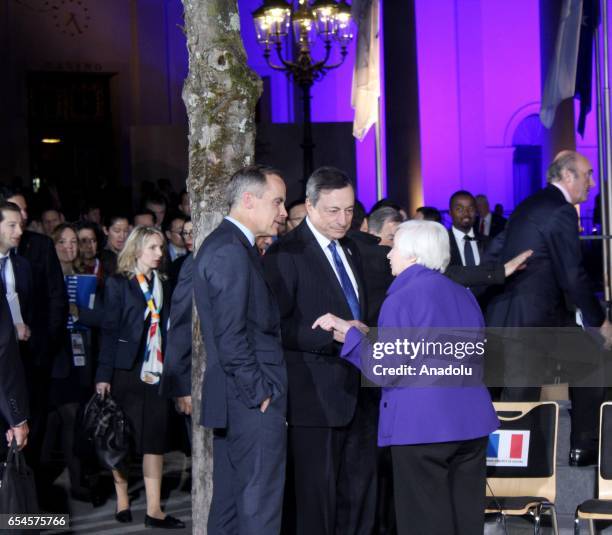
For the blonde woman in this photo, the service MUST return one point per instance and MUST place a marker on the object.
(131, 363)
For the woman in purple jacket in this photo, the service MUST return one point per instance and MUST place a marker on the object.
(437, 433)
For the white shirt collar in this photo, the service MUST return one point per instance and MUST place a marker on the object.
(323, 241)
(564, 191)
(249, 235)
(459, 234)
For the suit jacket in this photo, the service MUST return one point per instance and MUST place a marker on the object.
(376, 270)
(240, 325)
(420, 297)
(13, 392)
(322, 388)
(554, 277)
(176, 379)
(123, 325)
(49, 298)
(481, 241)
(498, 223)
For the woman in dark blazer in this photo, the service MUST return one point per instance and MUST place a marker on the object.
(131, 363)
(437, 428)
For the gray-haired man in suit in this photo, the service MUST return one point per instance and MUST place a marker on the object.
(244, 394)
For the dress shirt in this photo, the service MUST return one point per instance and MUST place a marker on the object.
(485, 225)
(175, 252)
(11, 291)
(459, 234)
(249, 235)
(324, 244)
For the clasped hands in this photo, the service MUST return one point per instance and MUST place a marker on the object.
(337, 326)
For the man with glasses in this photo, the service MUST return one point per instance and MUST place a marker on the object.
(173, 230)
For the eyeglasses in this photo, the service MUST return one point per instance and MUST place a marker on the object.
(187, 234)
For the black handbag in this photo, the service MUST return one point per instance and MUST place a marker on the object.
(103, 431)
(17, 487)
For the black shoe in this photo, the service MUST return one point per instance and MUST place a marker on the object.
(582, 457)
(124, 516)
(167, 523)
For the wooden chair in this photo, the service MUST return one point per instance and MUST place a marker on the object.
(601, 508)
(526, 490)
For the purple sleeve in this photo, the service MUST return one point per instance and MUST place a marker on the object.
(353, 346)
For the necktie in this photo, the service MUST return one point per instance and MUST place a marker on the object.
(345, 281)
(468, 254)
(3, 271)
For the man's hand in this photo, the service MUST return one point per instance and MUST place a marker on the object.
(606, 331)
(338, 326)
(183, 405)
(102, 389)
(517, 263)
(265, 404)
(20, 433)
(23, 332)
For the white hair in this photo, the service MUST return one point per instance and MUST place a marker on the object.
(427, 241)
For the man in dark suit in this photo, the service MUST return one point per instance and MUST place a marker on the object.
(13, 392)
(176, 379)
(332, 426)
(50, 308)
(244, 392)
(466, 246)
(47, 319)
(538, 296)
(487, 223)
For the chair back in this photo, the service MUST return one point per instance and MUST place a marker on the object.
(521, 456)
(605, 451)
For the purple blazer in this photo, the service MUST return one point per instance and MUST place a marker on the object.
(421, 297)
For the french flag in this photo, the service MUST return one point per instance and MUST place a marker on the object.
(508, 448)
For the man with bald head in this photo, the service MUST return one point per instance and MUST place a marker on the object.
(549, 292)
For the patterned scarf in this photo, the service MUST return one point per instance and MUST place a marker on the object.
(153, 364)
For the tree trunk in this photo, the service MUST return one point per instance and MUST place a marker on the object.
(220, 94)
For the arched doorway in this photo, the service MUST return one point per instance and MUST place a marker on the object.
(527, 157)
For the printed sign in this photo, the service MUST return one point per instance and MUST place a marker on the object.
(508, 448)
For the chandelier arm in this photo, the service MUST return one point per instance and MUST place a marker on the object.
(343, 53)
(286, 65)
(320, 65)
(274, 66)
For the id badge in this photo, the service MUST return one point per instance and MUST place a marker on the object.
(78, 349)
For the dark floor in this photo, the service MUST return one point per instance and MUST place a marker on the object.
(85, 518)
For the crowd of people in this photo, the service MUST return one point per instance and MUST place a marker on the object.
(285, 299)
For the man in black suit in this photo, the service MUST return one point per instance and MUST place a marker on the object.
(538, 296)
(48, 316)
(176, 379)
(13, 392)
(466, 246)
(332, 426)
(487, 223)
(244, 392)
